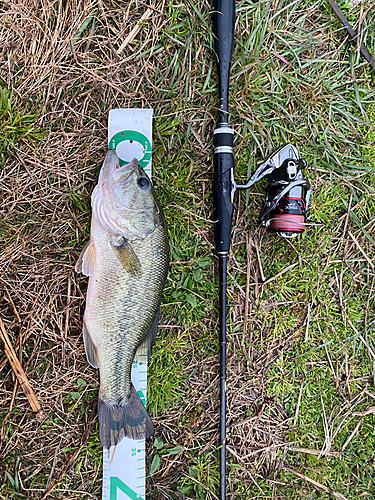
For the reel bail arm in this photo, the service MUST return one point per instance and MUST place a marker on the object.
(287, 197)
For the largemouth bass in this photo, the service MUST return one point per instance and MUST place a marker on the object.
(127, 261)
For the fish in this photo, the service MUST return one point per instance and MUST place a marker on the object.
(126, 260)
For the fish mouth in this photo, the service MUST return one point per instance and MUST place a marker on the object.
(119, 174)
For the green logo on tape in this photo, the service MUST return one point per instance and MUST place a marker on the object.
(132, 136)
(117, 484)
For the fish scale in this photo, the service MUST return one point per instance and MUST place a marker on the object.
(112, 321)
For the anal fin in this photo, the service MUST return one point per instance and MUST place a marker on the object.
(90, 348)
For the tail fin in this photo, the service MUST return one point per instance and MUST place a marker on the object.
(129, 419)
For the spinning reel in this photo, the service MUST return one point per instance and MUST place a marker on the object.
(288, 194)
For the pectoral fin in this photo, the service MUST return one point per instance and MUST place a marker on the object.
(144, 350)
(127, 256)
(90, 348)
(86, 260)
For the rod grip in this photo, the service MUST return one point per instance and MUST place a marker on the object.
(223, 29)
(223, 186)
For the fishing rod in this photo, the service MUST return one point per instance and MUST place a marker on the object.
(223, 28)
(287, 197)
(353, 35)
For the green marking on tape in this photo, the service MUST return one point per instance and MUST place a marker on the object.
(117, 484)
(132, 136)
(142, 397)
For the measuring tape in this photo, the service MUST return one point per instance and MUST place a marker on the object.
(124, 465)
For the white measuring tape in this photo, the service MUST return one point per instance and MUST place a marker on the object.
(124, 466)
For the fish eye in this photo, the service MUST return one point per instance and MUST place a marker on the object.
(143, 182)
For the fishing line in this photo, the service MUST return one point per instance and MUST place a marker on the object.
(160, 489)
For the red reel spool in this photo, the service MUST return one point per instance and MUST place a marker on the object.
(289, 216)
(288, 223)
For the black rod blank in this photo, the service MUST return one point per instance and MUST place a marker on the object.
(223, 374)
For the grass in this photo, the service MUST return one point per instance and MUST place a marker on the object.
(300, 339)
(17, 124)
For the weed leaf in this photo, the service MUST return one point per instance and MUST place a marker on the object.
(158, 443)
(155, 464)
